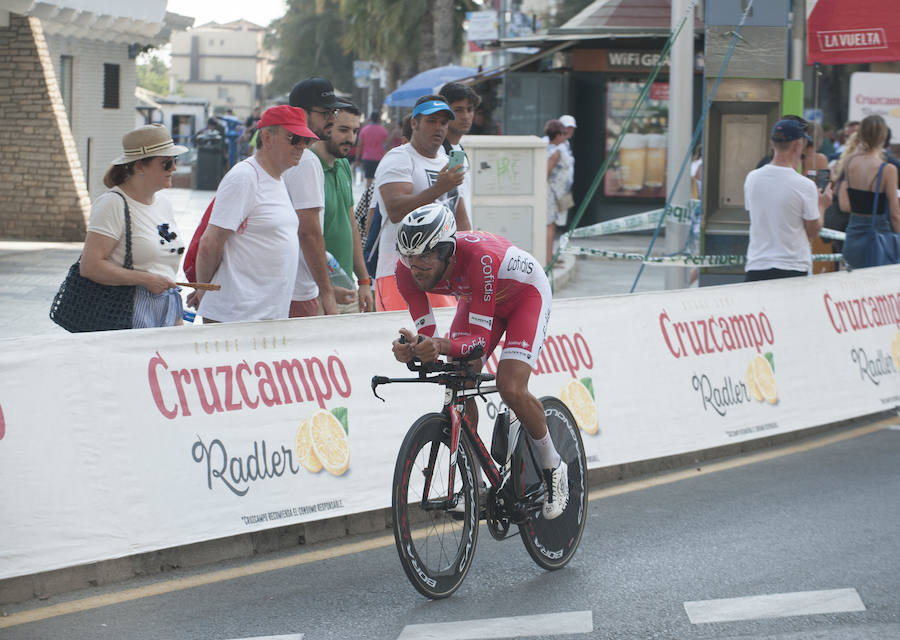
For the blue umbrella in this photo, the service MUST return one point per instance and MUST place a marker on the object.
(424, 83)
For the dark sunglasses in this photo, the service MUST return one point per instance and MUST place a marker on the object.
(168, 163)
(295, 139)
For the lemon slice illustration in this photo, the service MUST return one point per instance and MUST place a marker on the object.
(329, 442)
(895, 350)
(576, 396)
(751, 383)
(764, 378)
(304, 449)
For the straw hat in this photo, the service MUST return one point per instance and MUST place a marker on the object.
(147, 141)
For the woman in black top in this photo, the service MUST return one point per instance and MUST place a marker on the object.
(857, 191)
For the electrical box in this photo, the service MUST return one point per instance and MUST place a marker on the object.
(509, 189)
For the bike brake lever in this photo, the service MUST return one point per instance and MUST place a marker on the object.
(376, 381)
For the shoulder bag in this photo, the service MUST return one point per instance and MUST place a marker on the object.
(882, 247)
(84, 305)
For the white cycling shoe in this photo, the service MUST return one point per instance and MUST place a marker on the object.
(557, 481)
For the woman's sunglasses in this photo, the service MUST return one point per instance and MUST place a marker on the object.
(168, 164)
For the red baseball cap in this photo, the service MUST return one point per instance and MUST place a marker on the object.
(291, 118)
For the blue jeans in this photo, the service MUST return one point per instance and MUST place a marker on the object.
(854, 249)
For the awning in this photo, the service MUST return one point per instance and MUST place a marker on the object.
(852, 31)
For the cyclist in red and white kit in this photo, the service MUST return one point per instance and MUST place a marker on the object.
(501, 288)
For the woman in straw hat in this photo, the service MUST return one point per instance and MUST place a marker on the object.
(145, 167)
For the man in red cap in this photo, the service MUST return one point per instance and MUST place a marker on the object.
(250, 246)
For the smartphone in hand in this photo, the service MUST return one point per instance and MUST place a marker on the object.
(457, 158)
(823, 177)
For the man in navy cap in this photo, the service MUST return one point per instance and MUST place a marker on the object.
(409, 176)
(786, 209)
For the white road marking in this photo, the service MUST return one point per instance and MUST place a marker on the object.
(291, 636)
(545, 624)
(896, 427)
(775, 605)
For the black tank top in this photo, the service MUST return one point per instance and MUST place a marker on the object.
(861, 200)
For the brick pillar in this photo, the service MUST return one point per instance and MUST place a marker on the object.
(43, 195)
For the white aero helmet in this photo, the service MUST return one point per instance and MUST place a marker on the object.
(430, 227)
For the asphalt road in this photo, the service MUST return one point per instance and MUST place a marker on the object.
(814, 527)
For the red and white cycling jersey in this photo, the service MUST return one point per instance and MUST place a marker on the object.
(500, 288)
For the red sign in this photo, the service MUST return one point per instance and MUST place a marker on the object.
(851, 31)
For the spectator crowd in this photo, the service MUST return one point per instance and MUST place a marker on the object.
(284, 237)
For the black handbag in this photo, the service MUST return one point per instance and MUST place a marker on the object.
(882, 247)
(84, 305)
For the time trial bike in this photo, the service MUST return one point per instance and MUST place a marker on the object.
(436, 503)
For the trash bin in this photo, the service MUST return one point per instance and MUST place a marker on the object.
(210, 160)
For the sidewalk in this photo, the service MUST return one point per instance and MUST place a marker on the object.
(30, 272)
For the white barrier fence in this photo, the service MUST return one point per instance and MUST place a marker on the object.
(121, 443)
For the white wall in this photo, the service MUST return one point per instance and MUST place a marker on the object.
(104, 127)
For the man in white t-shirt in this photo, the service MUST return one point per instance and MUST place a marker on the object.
(786, 209)
(463, 101)
(408, 177)
(250, 246)
(306, 187)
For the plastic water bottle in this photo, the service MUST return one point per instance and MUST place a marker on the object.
(338, 276)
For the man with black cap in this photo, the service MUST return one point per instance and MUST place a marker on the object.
(786, 209)
(306, 187)
(408, 177)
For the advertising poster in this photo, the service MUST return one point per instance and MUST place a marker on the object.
(134, 441)
(639, 170)
(876, 94)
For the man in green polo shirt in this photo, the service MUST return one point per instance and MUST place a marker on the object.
(340, 231)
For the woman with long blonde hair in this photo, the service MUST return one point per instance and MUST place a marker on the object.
(860, 191)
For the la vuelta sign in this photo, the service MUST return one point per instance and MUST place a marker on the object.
(852, 31)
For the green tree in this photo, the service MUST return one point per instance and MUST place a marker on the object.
(308, 39)
(153, 74)
(405, 36)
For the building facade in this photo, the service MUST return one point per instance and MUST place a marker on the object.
(67, 81)
(225, 64)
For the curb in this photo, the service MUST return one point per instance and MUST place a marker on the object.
(41, 586)
(563, 271)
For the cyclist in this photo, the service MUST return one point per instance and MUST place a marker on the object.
(501, 288)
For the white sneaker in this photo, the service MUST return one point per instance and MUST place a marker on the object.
(557, 481)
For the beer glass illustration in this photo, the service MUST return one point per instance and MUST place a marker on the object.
(655, 168)
(633, 160)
